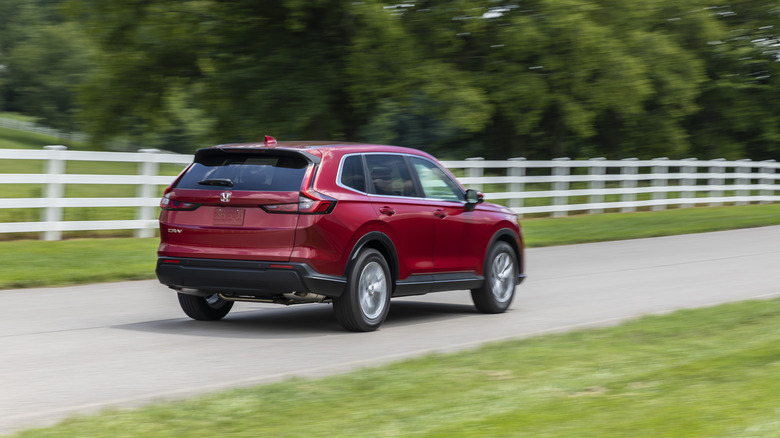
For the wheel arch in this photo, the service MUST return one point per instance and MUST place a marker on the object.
(380, 242)
(513, 239)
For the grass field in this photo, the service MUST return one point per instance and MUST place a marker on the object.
(621, 226)
(695, 373)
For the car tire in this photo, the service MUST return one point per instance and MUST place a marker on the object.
(366, 301)
(497, 291)
(210, 308)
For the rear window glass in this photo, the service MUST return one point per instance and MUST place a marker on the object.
(246, 172)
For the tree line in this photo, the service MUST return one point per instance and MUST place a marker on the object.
(496, 78)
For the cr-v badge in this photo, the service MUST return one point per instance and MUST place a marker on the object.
(225, 196)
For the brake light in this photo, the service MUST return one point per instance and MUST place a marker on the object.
(280, 208)
(311, 202)
(166, 203)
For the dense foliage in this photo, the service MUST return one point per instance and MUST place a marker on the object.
(498, 78)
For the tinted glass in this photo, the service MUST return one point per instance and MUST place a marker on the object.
(352, 174)
(435, 183)
(389, 175)
(246, 172)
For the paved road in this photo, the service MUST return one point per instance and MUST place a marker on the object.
(78, 349)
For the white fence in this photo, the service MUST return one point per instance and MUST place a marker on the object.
(54, 179)
(562, 185)
(556, 187)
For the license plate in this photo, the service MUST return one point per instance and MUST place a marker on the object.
(229, 216)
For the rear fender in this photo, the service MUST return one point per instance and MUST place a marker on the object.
(382, 243)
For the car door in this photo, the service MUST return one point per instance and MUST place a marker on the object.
(453, 223)
(406, 216)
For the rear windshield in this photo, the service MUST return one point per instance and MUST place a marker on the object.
(246, 172)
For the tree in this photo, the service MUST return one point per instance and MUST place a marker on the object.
(541, 78)
(235, 71)
(740, 114)
(43, 59)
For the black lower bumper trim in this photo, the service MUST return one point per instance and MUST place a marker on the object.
(246, 277)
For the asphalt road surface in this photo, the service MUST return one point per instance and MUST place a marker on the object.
(79, 349)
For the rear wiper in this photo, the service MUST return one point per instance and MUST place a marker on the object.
(216, 182)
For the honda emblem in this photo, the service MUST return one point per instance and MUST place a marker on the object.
(225, 196)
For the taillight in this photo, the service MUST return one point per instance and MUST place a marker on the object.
(311, 202)
(280, 208)
(166, 203)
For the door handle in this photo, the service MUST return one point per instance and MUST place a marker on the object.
(387, 210)
(440, 213)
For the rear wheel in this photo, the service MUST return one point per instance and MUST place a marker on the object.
(364, 304)
(497, 291)
(210, 308)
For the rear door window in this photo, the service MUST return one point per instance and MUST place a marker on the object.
(389, 175)
(267, 173)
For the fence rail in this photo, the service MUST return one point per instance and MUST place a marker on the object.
(54, 179)
(557, 187)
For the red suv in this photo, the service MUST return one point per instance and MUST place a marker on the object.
(348, 224)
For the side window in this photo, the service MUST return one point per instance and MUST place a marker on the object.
(435, 183)
(389, 175)
(352, 174)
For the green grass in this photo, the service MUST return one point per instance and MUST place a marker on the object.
(695, 373)
(18, 116)
(17, 139)
(33, 263)
(622, 226)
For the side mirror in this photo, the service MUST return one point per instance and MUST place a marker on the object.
(473, 198)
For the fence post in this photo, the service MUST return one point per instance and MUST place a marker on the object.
(560, 171)
(148, 168)
(687, 181)
(766, 180)
(743, 181)
(596, 171)
(55, 166)
(717, 178)
(660, 167)
(475, 172)
(517, 171)
(628, 183)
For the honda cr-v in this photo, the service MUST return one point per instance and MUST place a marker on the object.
(347, 224)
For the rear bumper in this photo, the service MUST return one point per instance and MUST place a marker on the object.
(246, 277)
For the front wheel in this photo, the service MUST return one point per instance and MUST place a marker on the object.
(364, 304)
(496, 293)
(209, 308)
